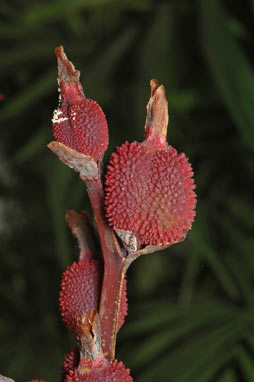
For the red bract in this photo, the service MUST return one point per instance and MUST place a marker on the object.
(79, 122)
(100, 371)
(149, 187)
(80, 291)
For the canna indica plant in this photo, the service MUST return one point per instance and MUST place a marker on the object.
(147, 203)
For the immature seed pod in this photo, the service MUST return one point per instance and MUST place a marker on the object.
(79, 122)
(149, 186)
(83, 127)
(80, 291)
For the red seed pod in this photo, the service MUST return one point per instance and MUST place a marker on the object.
(79, 122)
(80, 291)
(149, 187)
(82, 127)
(100, 371)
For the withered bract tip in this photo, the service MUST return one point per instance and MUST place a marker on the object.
(66, 69)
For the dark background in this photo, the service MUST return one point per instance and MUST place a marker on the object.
(191, 307)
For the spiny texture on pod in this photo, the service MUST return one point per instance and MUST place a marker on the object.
(150, 193)
(94, 371)
(79, 122)
(82, 127)
(80, 291)
(71, 361)
(149, 187)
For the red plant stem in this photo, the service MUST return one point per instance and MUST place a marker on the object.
(113, 270)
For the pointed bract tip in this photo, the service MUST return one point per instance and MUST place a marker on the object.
(66, 69)
(157, 115)
(154, 85)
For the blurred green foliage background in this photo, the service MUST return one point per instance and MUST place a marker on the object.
(191, 308)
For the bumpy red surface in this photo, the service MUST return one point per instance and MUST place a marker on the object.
(71, 361)
(83, 127)
(80, 291)
(150, 193)
(111, 372)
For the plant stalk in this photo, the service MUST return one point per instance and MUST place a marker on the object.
(114, 269)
